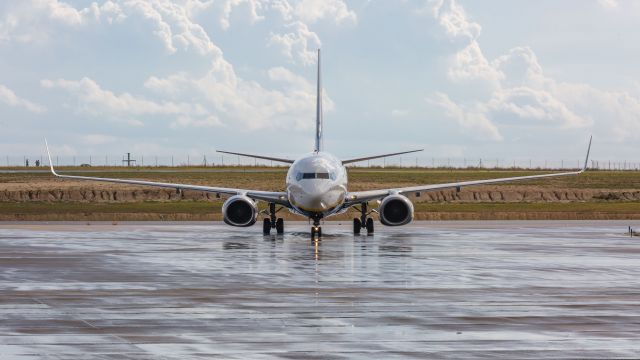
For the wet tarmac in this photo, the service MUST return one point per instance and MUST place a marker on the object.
(433, 290)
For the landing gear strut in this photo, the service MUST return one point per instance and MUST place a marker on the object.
(272, 221)
(316, 230)
(364, 221)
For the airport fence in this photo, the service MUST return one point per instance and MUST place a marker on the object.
(239, 161)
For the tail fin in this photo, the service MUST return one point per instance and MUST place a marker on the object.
(318, 146)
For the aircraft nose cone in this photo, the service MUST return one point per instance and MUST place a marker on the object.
(316, 198)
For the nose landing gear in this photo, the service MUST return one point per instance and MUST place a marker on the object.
(364, 221)
(316, 230)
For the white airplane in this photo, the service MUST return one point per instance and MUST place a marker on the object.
(316, 187)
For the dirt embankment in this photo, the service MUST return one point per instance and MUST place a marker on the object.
(488, 195)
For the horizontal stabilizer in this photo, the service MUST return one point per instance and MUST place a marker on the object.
(349, 161)
(257, 156)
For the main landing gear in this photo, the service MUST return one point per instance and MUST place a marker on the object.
(272, 222)
(364, 221)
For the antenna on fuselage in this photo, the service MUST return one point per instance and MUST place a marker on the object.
(318, 146)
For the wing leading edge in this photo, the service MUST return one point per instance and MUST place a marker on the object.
(349, 161)
(363, 196)
(282, 160)
(275, 197)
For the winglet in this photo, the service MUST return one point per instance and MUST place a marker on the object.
(49, 154)
(586, 161)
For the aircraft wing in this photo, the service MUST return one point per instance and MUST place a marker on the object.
(288, 161)
(349, 161)
(275, 197)
(364, 196)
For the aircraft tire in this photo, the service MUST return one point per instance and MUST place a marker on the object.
(280, 226)
(266, 227)
(369, 226)
(356, 226)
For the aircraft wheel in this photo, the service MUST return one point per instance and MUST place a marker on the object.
(316, 231)
(369, 226)
(266, 226)
(280, 226)
(356, 226)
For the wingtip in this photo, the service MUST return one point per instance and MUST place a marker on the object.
(586, 160)
(46, 144)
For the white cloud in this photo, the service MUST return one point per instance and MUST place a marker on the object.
(32, 20)
(312, 11)
(473, 121)
(214, 98)
(228, 6)
(94, 100)
(471, 64)
(297, 45)
(454, 20)
(185, 121)
(10, 98)
(173, 25)
(518, 92)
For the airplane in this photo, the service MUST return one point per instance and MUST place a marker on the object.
(316, 188)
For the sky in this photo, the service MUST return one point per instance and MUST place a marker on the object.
(495, 78)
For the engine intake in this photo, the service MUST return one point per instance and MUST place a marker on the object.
(396, 210)
(240, 211)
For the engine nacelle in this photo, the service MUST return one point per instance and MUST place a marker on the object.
(396, 210)
(240, 211)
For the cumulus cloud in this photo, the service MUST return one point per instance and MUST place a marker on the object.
(173, 26)
(10, 98)
(454, 20)
(218, 96)
(312, 11)
(295, 39)
(473, 119)
(296, 45)
(94, 100)
(518, 92)
(31, 20)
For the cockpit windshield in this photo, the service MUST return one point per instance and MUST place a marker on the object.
(319, 175)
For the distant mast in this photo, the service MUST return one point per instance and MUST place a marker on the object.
(318, 146)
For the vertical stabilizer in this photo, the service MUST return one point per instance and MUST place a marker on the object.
(318, 146)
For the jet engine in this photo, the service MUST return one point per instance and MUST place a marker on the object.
(239, 210)
(396, 210)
